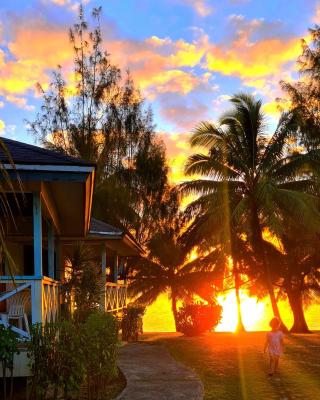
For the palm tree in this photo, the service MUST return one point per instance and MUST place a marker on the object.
(168, 269)
(251, 181)
(301, 275)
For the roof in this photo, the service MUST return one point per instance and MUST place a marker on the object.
(23, 153)
(101, 228)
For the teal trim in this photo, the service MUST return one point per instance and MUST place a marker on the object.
(21, 277)
(50, 251)
(37, 234)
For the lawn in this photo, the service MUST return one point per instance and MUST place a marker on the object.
(233, 367)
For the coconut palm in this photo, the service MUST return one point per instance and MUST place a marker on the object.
(168, 269)
(251, 181)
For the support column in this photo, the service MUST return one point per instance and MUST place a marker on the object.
(58, 266)
(51, 251)
(37, 302)
(103, 279)
(37, 287)
(115, 268)
(37, 234)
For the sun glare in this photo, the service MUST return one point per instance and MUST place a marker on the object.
(251, 312)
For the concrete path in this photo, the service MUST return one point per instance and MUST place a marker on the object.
(152, 374)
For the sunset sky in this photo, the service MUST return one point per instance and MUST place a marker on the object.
(187, 56)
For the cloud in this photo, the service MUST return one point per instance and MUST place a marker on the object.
(316, 17)
(201, 7)
(35, 49)
(183, 112)
(256, 49)
(20, 102)
(178, 150)
(2, 126)
(72, 5)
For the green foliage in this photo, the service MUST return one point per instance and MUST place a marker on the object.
(168, 269)
(195, 319)
(8, 348)
(100, 352)
(131, 323)
(82, 285)
(248, 184)
(64, 356)
(56, 360)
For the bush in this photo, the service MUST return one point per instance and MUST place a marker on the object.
(195, 319)
(64, 356)
(57, 361)
(8, 348)
(131, 323)
(100, 349)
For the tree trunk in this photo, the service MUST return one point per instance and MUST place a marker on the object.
(258, 245)
(299, 321)
(240, 327)
(174, 309)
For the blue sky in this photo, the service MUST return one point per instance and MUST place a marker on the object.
(187, 56)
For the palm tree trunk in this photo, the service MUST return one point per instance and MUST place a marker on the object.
(299, 322)
(258, 245)
(174, 309)
(240, 327)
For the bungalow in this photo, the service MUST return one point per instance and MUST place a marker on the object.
(50, 213)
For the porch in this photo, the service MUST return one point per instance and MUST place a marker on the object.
(28, 300)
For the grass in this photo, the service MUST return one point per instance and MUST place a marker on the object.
(233, 367)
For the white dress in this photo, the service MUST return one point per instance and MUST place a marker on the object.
(274, 343)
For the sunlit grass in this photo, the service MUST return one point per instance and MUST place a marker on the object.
(233, 367)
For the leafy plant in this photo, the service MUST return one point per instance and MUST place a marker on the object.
(195, 319)
(56, 360)
(100, 352)
(8, 348)
(131, 323)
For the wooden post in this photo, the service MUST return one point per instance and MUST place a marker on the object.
(58, 260)
(103, 278)
(37, 302)
(115, 268)
(51, 251)
(37, 234)
(36, 292)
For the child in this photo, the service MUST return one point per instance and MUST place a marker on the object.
(274, 344)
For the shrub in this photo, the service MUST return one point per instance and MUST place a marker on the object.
(131, 323)
(8, 348)
(66, 355)
(100, 349)
(57, 360)
(195, 319)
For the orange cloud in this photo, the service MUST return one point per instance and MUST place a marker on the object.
(2, 126)
(253, 60)
(34, 50)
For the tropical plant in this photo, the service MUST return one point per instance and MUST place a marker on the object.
(300, 265)
(168, 268)
(251, 181)
(8, 348)
(81, 285)
(196, 318)
(132, 323)
(100, 353)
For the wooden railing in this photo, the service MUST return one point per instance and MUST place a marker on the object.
(42, 296)
(115, 297)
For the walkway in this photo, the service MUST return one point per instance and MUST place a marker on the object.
(152, 374)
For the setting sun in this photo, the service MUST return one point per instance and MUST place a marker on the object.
(251, 312)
